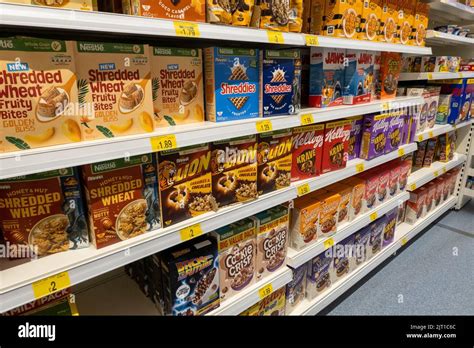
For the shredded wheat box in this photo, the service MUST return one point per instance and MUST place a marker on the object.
(38, 93)
(115, 96)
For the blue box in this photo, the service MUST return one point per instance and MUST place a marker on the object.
(358, 77)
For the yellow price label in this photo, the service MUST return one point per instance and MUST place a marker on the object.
(264, 126)
(401, 152)
(373, 216)
(386, 106)
(191, 232)
(430, 134)
(436, 173)
(420, 137)
(163, 142)
(307, 119)
(186, 29)
(328, 243)
(275, 37)
(265, 291)
(404, 241)
(303, 190)
(50, 285)
(413, 187)
(359, 167)
(312, 40)
(444, 170)
(430, 76)
(461, 75)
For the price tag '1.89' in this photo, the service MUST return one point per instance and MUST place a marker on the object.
(264, 126)
(51, 284)
(303, 190)
(186, 29)
(163, 142)
(306, 119)
(265, 291)
(191, 232)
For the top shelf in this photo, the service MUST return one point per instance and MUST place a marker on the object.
(451, 12)
(437, 38)
(100, 22)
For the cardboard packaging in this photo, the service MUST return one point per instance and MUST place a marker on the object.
(319, 274)
(295, 290)
(82, 5)
(383, 187)
(307, 151)
(370, 20)
(376, 236)
(342, 18)
(336, 145)
(357, 204)
(187, 10)
(304, 222)
(343, 210)
(355, 137)
(374, 135)
(342, 258)
(389, 24)
(358, 77)
(406, 21)
(361, 242)
(420, 23)
(416, 205)
(390, 225)
(372, 181)
(328, 214)
(395, 128)
(390, 66)
(429, 152)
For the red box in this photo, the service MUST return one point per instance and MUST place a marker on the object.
(336, 145)
(307, 151)
(430, 198)
(371, 186)
(384, 179)
(393, 183)
(405, 169)
(438, 198)
(416, 205)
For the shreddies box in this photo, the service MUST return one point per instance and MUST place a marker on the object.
(232, 83)
(44, 211)
(307, 151)
(342, 18)
(336, 144)
(115, 96)
(355, 137)
(38, 93)
(370, 20)
(122, 198)
(389, 24)
(177, 85)
(304, 222)
(188, 10)
(374, 135)
(358, 77)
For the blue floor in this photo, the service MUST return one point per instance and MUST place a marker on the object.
(425, 278)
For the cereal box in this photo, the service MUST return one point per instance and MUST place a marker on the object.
(304, 222)
(115, 95)
(307, 151)
(342, 18)
(389, 24)
(438, 198)
(375, 241)
(336, 145)
(326, 77)
(372, 180)
(377, 85)
(419, 155)
(273, 304)
(83, 5)
(328, 214)
(361, 242)
(389, 229)
(401, 213)
(305, 67)
(374, 135)
(185, 183)
(405, 170)
(416, 205)
(357, 204)
(446, 146)
(355, 137)
(295, 16)
(295, 290)
(345, 191)
(393, 184)
(319, 274)
(237, 248)
(232, 83)
(358, 77)
(191, 277)
(317, 16)
(44, 212)
(177, 87)
(390, 66)
(272, 240)
(445, 187)
(188, 10)
(440, 63)
(420, 23)
(38, 94)
(274, 14)
(406, 19)
(455, 88)
(40, 303)
(383, 188)
(429, 152)
(281, 89)
(122, 198)
(274, 160)
(420, 111)
(342, 257)
(238, 14)
(234, 170)
(370, 20)
(433, 106)
(430, 197)
(395, 128)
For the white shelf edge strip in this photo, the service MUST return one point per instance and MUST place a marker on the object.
(403, 234)
(250, 296)
(68, 155)
(84, 264)
(436, 37)
(451, 11)
(296, 258)
(468, 192)
(440, 129)
(436, 76)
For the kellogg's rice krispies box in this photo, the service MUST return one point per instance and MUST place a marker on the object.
(281, 88)
(370, 20)
(319, 274)
(342, 18)
(374, 136)
(44, 211)
(185, 183)
(336, 145)
(122, 197)
(358, 77)
(355, 137)
(232, 83)
(307, 151)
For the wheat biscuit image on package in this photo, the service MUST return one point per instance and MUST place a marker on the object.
(239, 102)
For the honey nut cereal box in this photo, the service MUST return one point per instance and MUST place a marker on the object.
(122, 198)
(234, 170)
(357, 204)
(274, 157)
(44, 212)
(420, 23)
(83, 5)
(115, 96)
(406, 20)
(185, 181)
(389, 24)
(304, 221)
(345, 191)
(236, 245)
(328, 214)
(177, 85)
(342, 18)
(370, 20)
(188, 10)
(307, 151)
(336, 145)
(38, 93)
(272, 240)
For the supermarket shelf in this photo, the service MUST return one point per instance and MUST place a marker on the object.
(468, 192)
(470, 171)
(435, 76)
(84, 264)
(436, 38)
(248, 297)
(425, 175)
(403, 234)
(60, 156)
(440, 129)
(449, 11)
(296, 258)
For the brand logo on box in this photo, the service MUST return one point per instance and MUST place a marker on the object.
(6, 44)
(334, 58)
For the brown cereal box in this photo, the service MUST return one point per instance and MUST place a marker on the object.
(307, 151)
(420, 23)
(372, 180)
(416, 205)
(234, 170)
(83, 5)
(357, 205)
(114, 85)
(317, 17)
(185, 183)
(122, 198)
(38, 94)
(345, 191)
(236, 13)
(370, 20)
(188, 10)
(274, 14)
(342, 18)
(274, 159)
(304, 221)
(177, 85)
(384, 182)
(389, 24)
(236, 244)
(328, 215)
(406, 19)
(438, 198)
(272, 240)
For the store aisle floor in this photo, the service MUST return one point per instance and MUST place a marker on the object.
(434, 275)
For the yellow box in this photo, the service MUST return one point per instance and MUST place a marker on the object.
(406, 19)
(370, 20)
(317, 17)
(420, 24)
(388, 26)
(83, 5)
(342, 18)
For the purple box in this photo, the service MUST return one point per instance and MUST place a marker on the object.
(355, 137)
(295, 290)
(342, 255)
(361, 240)
(375, 241)
(374, 135)
(395, 130)
(389, 229)
(318, 275)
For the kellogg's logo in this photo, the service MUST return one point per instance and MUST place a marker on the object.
(307, 138)
(337, 133)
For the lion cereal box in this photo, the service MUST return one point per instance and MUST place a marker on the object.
(376, 235)
(342, 257)
(358, 77)
(389, 24)
(236, 244)
(326, 76)
(188, 10)
(185, 183)
(420, 23)
(355, 137)
(395, 127)
(44, 211)
(295, 290)
(83, 5)
(336, 145)
(374, 136)
(234, 170)
(272, 240)
(274, 157)
(304, 221)
(406, 21)
(319, 274)
(370, 20)
(115, 95)
(177, 87)
(307, 151)
(328, 214)
(345, 191)
(122, 198)
(232, 83)
(38, 94)
(342, 18)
